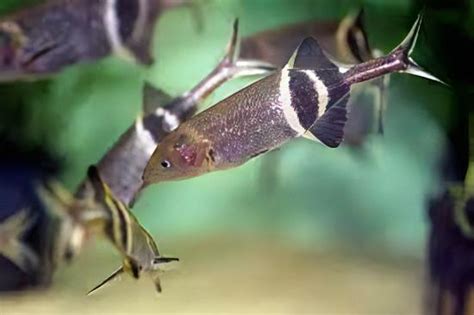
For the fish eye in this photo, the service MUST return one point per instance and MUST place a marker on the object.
(166, 164)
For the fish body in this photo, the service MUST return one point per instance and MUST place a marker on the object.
(308, 97)
(252, 121)
(12, 230)
(44, 39)
(123, 164)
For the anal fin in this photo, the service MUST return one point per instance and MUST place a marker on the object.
(329, 128)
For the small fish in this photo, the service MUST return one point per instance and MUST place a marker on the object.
(123, 164)
(46, 38)
(137, 246)
(12, 230)
(308, 98)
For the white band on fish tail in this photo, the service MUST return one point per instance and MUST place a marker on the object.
(289, 112)
(321, 89)
(112, 26)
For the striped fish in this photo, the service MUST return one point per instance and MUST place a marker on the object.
(136, 245)
(307, 98)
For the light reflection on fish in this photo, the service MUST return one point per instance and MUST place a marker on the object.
(308, 98)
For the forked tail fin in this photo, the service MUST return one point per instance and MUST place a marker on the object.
(399, 60)
(407, 46)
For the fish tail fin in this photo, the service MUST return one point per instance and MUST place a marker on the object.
(114, 276)
(406, 48)
(13, 229)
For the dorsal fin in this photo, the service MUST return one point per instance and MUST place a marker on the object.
(153, 98)
(310, 56)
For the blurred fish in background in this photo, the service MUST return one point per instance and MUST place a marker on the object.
(43, 39)
(337, 229)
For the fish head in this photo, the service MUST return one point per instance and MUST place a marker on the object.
(132, 267)
(180, 155)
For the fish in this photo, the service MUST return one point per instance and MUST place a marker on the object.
(12, 247)
(450, 283)
(132, 240)
(344, 40)
(101, 214)
(123, 164)
(307, 98)
(39, 41)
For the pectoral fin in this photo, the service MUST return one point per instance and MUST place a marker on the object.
(156, 281)
(113, 276)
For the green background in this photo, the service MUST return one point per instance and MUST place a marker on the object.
(355, 201)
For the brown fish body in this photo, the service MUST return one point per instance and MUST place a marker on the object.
(308, 97)
(256, 119)
(238, 128)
